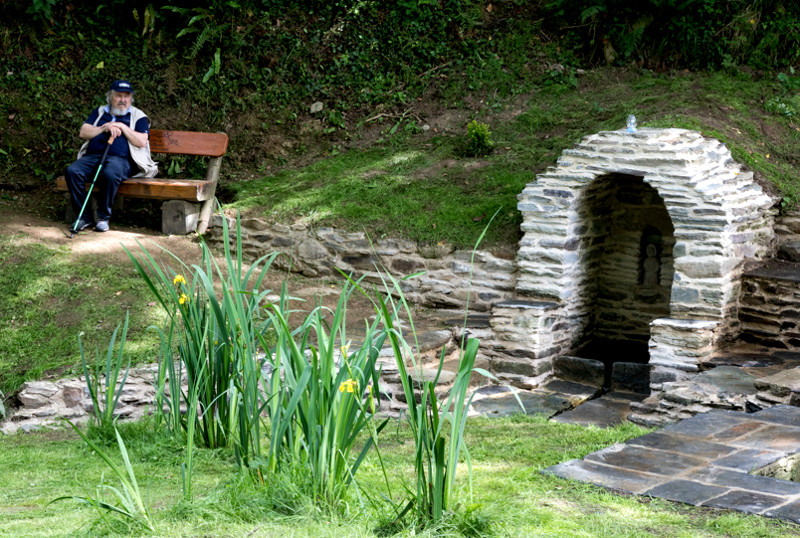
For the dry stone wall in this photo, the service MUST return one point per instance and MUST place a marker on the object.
(769, 309)
(450, 278)
(48, 402)
(770, 306)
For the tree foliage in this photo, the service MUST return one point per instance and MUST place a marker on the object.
(198, 65)
(682, 33)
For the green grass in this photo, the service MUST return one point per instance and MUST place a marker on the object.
(511, 496)
(417, 187)
(50, 295)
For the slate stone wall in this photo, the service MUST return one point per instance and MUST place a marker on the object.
(770, 307)
(770, 304)
(449, 280)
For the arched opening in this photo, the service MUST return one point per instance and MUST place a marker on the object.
(627, 267)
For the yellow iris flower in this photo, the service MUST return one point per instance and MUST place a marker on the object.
(350, 385)
(183, 298)
(178, 280)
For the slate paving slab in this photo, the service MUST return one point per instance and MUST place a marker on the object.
(646, 460)
(749, 459)
(748, 502)
(601, 412)
(534, 402)
(707, 460)
(707, 423)
(608, 410)
(772, 437)
(735, 432)
(781, 414)
(686, 491)
(788, 512)
(552, 399)
(685, 445)
(616, 478)
(751, 482)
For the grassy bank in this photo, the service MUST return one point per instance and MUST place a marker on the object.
(510, 496)
(417, 184)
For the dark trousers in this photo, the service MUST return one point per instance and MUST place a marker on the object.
(115, 170)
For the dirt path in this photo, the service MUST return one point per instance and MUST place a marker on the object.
(109, 248)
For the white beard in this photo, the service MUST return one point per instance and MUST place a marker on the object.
(119, 111)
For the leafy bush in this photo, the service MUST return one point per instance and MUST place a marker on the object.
(703, 33)
(478, 141)
(788, 102)
(784, 106)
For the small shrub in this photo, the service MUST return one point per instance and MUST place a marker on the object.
(784, 106)
(479, 140)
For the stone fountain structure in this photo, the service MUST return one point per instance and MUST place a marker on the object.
(636, 246)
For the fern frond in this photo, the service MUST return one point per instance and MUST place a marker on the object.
(591, 12)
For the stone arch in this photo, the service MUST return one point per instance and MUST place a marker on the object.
(622, 218)
(720, 216)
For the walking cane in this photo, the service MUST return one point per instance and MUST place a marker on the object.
(73, 230)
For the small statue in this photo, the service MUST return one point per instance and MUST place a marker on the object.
(631, 124)
(650, 268)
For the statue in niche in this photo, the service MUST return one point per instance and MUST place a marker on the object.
(651, 268)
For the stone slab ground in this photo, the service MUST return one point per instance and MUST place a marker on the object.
(713, 460)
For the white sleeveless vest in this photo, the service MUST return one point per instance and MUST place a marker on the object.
(141, 156)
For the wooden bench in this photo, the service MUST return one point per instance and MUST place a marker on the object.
(188, 203)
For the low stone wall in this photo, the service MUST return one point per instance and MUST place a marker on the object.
(770, 306)
(47, 402)
(787, 230)
(321, 252)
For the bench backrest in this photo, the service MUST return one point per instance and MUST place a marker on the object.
(188, 143)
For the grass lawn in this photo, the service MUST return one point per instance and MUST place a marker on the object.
(510, 495)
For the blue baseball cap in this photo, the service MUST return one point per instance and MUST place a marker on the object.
(122, 86)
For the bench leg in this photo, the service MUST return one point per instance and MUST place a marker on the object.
(205, 215)
(90, 211)
(179, 217)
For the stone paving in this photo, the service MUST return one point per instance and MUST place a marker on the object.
(716, 459)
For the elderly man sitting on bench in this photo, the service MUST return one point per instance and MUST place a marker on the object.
(126, 129)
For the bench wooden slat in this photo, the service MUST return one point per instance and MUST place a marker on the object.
(188, 143)
(159, 189)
